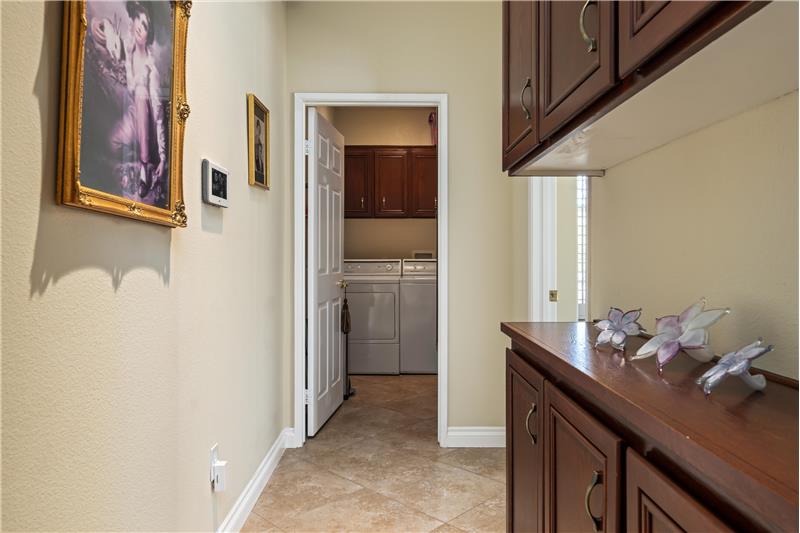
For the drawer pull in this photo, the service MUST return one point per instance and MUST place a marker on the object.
(528, 420)
(522, 99)
(362, 202)
(383, 202)
(597, 521)
(591, 41)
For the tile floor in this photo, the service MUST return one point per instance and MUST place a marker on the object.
(376, 467)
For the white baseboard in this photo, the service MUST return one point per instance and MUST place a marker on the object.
(476, 437)
(247, 499)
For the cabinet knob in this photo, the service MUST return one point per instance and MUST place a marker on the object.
(590, 41)
(597, 521)
(522, 99)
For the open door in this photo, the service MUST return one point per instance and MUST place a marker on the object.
(325, 348)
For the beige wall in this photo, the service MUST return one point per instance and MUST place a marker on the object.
(381, 238)
(711, 214)
(416, 47)
(384, 125)
(130, 349)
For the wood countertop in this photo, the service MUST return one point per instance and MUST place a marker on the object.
(737, 450)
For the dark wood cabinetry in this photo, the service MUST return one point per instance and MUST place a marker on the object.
(422, 183)
(646, 27)
(656, 504)
(391, 181)
(691, 463)
(358, 172)
(524, 445)
(568, 63)
(519, 80)
(582, 467)
(576, 54)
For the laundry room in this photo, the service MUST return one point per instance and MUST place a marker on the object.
(389, 246)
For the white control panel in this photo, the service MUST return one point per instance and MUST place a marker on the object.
(215, 184)
(419, 267)
(374, 267)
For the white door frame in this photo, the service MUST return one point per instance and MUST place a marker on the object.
(542, 249)
(301, 102)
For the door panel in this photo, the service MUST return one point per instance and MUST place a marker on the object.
(582, 465)
(524, 445)
(325, 271)
(576, 54)
(423, 182)
(358, 175)
(646, 27)
(655, 504)
(391, 174)
(519, 80)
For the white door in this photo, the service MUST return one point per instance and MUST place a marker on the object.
(325, 359)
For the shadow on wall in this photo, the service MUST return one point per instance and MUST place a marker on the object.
(71, 239)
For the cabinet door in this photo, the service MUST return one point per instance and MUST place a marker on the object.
(358, 182)
(422, 185)
(657, 505)
(524, 460)
(576, 54)
(646, 27)
(582, 465)
(519, 80)
(391, 174)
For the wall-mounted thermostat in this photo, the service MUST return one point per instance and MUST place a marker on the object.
(215, 184)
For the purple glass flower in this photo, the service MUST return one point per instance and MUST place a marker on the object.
(736, 364)
(686, 331)
(616, 328)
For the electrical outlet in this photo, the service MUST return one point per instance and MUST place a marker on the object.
(553, 296)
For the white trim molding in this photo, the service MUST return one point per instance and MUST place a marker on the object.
(542, 269)
(247, 499)
(301, 102)
(476, 437)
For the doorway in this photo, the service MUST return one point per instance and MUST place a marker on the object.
(303, 101)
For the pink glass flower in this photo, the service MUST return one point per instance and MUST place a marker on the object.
(687, 331)
(736, 364)
(616, 328)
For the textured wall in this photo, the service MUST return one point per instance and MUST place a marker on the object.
(436, 47)
(384, 125)
(711, 214)
(129, 349)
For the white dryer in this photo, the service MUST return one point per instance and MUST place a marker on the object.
(418, 333)
(373, 296)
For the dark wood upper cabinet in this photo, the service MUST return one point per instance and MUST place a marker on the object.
(655, 504)
(391, 175)
(422, 182)
(519, 80)
(644, 28)
(582, 468)
(358, 181)
(524, 445)
(576, 59)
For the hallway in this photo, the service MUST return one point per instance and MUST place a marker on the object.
(376, 466)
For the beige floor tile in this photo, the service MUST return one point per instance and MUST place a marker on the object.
(297, 487)
(447, 528)
(417, 406)
(418, 439)
(363, 511)
(258, 524)
(489, 462)
(368, 461)
(436, 489)
(489, 517)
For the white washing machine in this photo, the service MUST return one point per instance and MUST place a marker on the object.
(373, 296)
(418, 332)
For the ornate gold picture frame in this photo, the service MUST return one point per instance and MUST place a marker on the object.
(257, 142)
(123, 108)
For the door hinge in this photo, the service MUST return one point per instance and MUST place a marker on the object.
(307, 147)
(307, 397)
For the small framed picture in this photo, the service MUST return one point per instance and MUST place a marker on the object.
(257, 142)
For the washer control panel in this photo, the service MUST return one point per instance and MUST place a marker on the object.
(372, 267)
(419, 267)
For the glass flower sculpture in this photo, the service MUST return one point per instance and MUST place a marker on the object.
(616, 328)
(736, 364)
(687, 331)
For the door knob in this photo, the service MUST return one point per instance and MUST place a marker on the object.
(342, 284)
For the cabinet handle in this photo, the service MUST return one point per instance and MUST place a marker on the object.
(362, 202)
(597, 521)
(528, 420)
(435, 202)
(383, 202)
(522, 99)
(591, 41)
